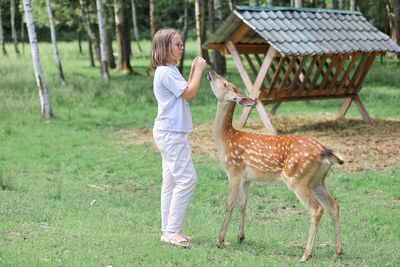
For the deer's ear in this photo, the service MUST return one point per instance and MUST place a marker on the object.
(244, 101)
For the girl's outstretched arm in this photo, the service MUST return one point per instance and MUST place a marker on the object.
(198, 65)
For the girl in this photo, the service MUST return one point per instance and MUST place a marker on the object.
(171, 128)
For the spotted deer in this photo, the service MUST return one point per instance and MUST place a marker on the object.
(300, 161)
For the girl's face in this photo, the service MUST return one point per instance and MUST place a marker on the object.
(176, 51)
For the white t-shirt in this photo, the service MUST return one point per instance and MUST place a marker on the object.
(173, 111)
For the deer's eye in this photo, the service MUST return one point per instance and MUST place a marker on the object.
(225, 84)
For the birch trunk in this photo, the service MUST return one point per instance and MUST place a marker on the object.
(108, 12)
(89, 32)
(2, 43)
(353, 5)
(135, 28)
(123, 37)
(104, 65)
(298, 3)
(198, 30)
(13, 31)
(54, 41)
(43, 95)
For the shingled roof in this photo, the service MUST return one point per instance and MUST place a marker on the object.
(304, 31)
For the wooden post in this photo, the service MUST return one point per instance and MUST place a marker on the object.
(253, 89)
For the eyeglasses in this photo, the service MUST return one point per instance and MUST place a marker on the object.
(180, 46)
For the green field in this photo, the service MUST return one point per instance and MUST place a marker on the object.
(72, 194)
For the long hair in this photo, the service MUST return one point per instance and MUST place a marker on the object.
(161, 46)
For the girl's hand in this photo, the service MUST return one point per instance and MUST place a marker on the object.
(200, 63)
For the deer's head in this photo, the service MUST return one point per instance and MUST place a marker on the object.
(226, 91)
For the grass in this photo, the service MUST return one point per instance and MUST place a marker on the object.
(72, 194)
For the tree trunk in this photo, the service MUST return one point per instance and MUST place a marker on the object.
(203, 36)
(2, 43)
(108, 12)
(271, 3)
(135, 27)
(335, 4)
(54, 41)
(353, 5)
(341, 4)
(23, 35)
(396, 11)
(80, 41)
(89, 32)
(255, 2)
(91, 54)
(185, 31)
(297, 3)
(230, 5)
(123, 36)
(13, 31)
(43, 95)
(198, 30)
(219, 62)
(151, 15)
(104, 65)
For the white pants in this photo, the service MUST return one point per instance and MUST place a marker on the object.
(179, 178)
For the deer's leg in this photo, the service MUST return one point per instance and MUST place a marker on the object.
(243, 195)
(332, 207)
(234, 183)
(307, 198)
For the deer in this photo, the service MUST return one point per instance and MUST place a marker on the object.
(300, 162)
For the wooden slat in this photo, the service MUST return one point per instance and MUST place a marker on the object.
(304, 98)
(276, 76)
(362, 110)
(282, 86)
(265, 118)
(365, 71)
(356, 75)
(306, 76)
(320, 64)
(297, 75)
(242, 48)
(240, 66)
(345, 107)
(268, 61)
(255, 91)
(334, 62)
(252, 67)
(339, 69)
(345, 77)
(259, 61)
(240, 33)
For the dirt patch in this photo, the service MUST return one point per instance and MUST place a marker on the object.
(363, 146)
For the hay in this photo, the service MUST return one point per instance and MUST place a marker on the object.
(363, 146)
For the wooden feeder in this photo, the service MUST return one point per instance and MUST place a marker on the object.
(297, 54)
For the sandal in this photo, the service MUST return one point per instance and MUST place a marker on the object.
(176, 241)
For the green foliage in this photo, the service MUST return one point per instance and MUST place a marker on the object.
(167, 13)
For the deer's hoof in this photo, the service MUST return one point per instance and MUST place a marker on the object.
(240, 239)
(220, 243)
